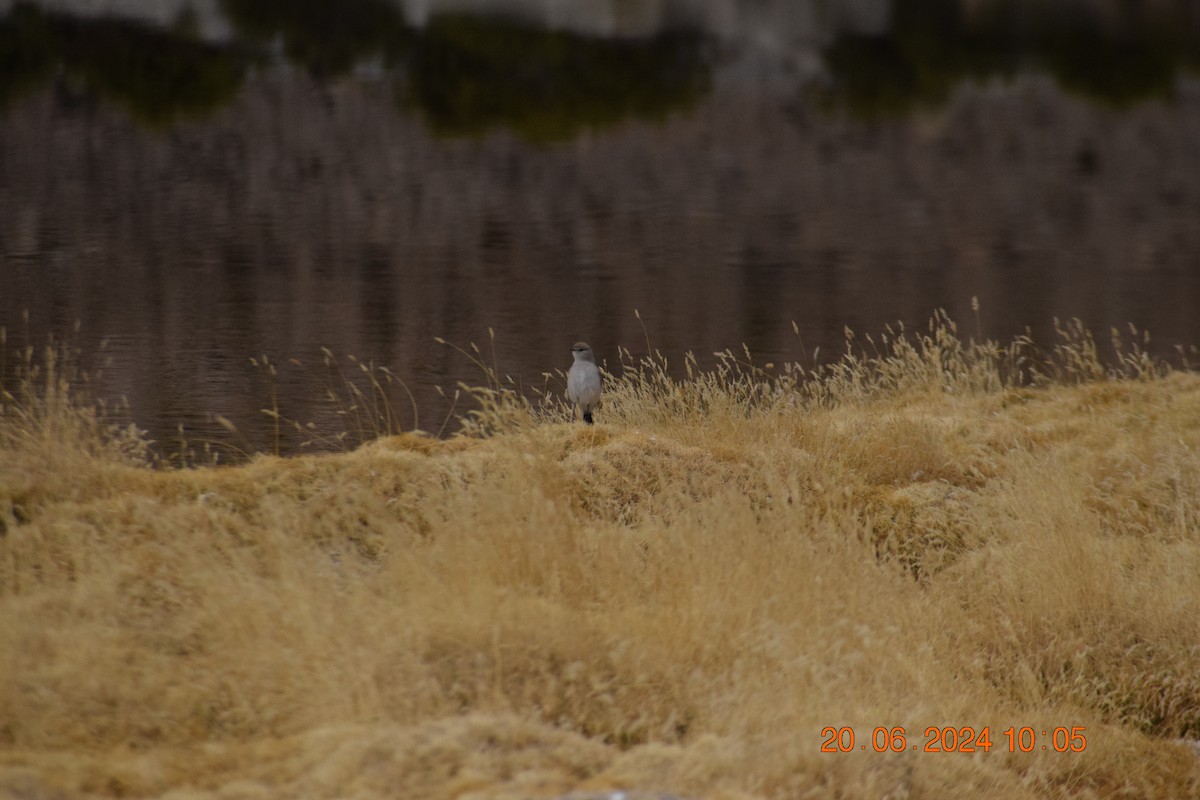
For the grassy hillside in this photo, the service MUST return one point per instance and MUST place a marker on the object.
(678, 599)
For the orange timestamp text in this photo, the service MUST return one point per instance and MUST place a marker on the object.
(949, 739)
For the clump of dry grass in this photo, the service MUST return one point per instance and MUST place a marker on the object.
(50, 409)
(930, 532)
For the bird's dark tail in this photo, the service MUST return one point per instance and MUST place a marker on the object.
(587, 417)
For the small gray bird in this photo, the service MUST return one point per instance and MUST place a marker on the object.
(584, 381)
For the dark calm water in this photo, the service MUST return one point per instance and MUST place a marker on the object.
(202, 183)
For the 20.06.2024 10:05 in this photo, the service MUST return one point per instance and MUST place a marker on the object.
(957, 740)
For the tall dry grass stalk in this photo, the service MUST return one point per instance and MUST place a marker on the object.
(358, 394)
(929, 532)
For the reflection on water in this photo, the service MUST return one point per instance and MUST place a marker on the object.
(273, 177)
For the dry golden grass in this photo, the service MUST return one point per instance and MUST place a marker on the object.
(678, 599)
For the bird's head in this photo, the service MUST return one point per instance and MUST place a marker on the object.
(582, 352)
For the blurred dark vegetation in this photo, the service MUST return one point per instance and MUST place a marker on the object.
(469, 73)
(466, 74)
(326, 37)
(158, 75)
(933, 45)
